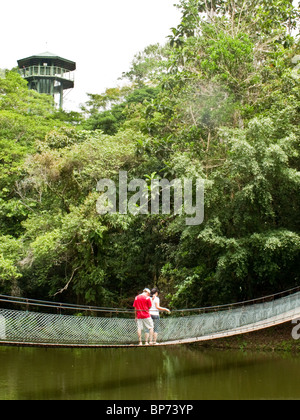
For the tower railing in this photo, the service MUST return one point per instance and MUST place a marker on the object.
(46, 71)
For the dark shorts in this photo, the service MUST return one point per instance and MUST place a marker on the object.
(156, 323)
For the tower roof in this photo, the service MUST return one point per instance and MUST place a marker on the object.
(49, 58)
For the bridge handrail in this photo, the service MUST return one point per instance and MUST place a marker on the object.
(57, 305)
(242, 303)
(60, 305)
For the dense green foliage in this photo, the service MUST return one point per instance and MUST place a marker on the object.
(220, 101)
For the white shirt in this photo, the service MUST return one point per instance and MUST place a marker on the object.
(153, 309)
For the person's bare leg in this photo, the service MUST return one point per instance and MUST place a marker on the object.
(154, 338)
(147, 338)
(151, 335)
(140, 337)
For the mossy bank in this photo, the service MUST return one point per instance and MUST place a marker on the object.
(277, 338)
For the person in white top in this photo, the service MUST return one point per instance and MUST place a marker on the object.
(154, 312)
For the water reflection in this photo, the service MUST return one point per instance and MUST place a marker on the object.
(183, 373)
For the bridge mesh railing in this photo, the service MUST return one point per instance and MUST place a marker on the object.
(19, 326)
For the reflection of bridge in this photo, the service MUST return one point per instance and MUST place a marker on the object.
(92, 326)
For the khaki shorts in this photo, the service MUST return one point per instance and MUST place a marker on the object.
(146, 323)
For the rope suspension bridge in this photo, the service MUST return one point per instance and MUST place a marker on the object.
(34, 322)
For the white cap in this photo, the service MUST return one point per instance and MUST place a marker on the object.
(147, 290)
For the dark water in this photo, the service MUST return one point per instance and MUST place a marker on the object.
(175, 373)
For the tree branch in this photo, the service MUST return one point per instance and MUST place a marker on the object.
(67, 285)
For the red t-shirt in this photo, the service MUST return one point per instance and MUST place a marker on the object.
(142, 304)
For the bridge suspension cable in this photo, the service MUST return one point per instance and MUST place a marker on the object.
(61, 305)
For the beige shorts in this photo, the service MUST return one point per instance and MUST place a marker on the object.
(146, 323)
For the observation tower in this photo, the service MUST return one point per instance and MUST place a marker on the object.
(48, 73)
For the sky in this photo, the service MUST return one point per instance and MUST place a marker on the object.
(101, 36)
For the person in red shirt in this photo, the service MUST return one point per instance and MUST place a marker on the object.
(142, 304)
